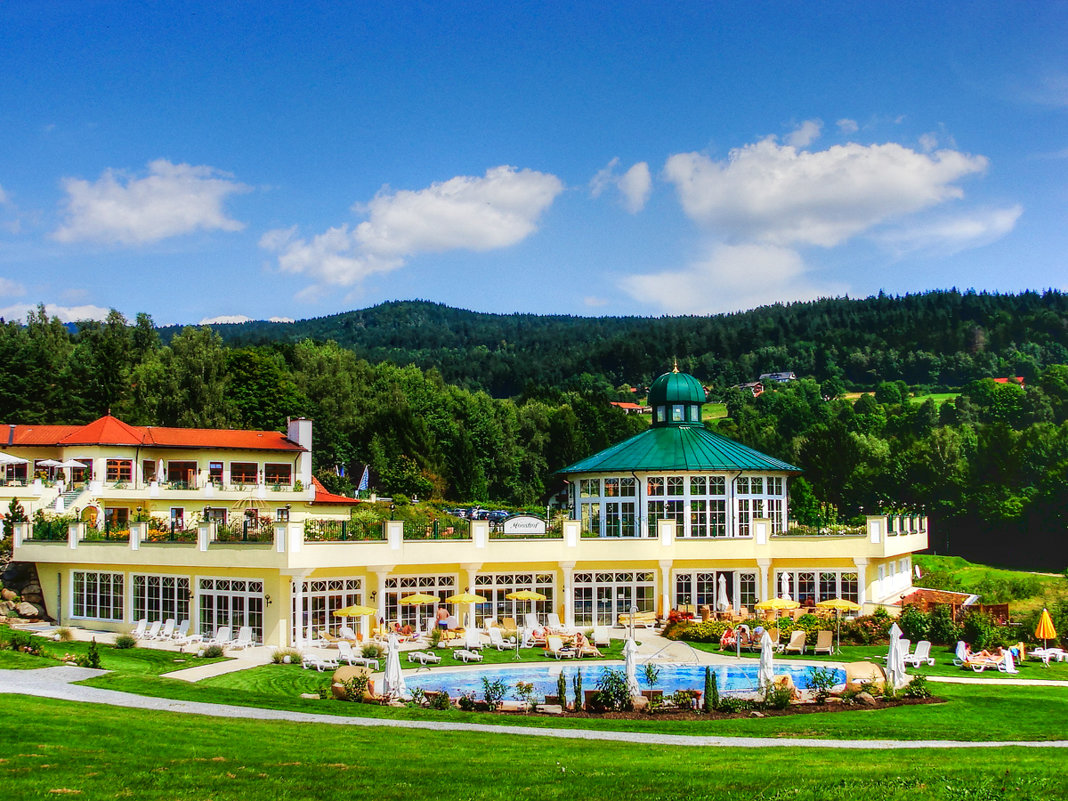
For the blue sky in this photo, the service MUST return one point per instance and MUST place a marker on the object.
(216, 161)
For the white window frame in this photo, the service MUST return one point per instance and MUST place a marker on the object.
(116, 615)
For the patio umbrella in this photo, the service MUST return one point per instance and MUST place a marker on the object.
(765, 671)
(72, 463)
(466, 598)
(630, 666)
(356, 610)
(895, 661)
(723, 601)
(784, 585)
(839, 605)
(524, 595)
(777, 603)
(418, 599)
(1044, 630)
(393, 685)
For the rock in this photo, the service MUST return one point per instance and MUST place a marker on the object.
(310, 696)
(641, 704)
(7, 595)
(866, 699)
(26, 609)
(834, 699)
(756, 714)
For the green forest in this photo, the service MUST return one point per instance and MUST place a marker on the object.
(476, 407)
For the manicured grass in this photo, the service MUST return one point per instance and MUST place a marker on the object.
(938, 397)
(970, 575)
(713, 411)
(100, 752)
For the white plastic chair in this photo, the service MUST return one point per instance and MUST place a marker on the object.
(244, 638)
(153, 630)
(167, 631)
(496, 640)
(921, 655)
(223, 636)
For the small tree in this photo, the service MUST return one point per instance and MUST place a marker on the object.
(711, 700)
(561, 689)
(576, 684)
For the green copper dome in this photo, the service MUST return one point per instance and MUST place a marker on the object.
(676, 387)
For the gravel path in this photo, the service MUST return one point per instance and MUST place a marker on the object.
(56, 682)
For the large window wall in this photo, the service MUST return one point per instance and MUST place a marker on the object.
(701, 588)
(398, 587)
(323, 597)
(600, 597)
(97, 596)
(160, 597)
(809, 587)
(231, 602)
(495, 586)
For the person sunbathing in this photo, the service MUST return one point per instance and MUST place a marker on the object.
(584, 647)
(727, 640)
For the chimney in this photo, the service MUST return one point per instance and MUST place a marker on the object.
(299, 430)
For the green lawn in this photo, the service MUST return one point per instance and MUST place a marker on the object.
(102, 752)
(713, 411)
(938, 397)
(970, 575)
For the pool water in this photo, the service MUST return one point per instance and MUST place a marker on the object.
(729, 678)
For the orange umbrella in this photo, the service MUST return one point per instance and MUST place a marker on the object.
(1044, 630)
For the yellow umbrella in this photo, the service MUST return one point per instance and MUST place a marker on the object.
(778, 603)
(418, 599)
(466, 598)
(355, 611)
(839, 605)
(525, 595)
(1044, 630)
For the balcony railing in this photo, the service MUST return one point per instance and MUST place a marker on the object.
(342, 531)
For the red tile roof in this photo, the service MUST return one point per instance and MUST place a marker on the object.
(110, 430)
(323, 496)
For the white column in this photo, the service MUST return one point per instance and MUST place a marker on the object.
(568, 571)
(298, 624)
(665, 586)
(764, 565)
(380, 598)
(472, 572)
(862, 579)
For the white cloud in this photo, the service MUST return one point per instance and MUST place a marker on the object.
(225, 319)
(847, 126)
(66, 314)
(733, 277)
(776, 194)
(171, 200)
(479, 214)
(805, 134)
(634, 185)
(280, 320)
(11, 288)
(594, 302)
(953, 234)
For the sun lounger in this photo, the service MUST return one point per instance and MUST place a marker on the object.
(1048, 655)
(309, 660)
(645, 619)
(182, 631)
(554, 646)
(905, 645)
(244, 638)
(346, 654)
(601, 636)
(467, 656)
(797, 642)
(153, 630)
(167, 630)
(921, 655)
(530, 621)
(138, 632)
(825, 642)
(496, 640)
(223, 637)
(423, 657)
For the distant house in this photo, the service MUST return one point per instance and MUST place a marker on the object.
(1017, 379)
(632, 408)
(780, 378)
(754, 387)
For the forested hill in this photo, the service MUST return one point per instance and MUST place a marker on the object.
(942, 337)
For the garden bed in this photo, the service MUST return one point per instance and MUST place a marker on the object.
(793, 709)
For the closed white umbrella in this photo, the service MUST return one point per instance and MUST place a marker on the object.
(630, 665)
(724, 602)
(895, 662)
(784, 585)
(393, 685)
(765, 672)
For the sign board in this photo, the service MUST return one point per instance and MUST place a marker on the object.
(521, 525)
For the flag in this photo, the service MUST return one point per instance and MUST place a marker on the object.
(364, 480)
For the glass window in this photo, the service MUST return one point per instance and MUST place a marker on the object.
(756, 485)
(626, 487)
(243, 473)
(116, 518)
(182, 474)
(282, 514)
(277, 473)
(661, 414)
(717, 485)
(177, 518)
(98, 596)
(674, 485)
(741, 486)
(161, 597)
(119, 470)
(654, 486)
(148, 469)
(698, 485)
(611, 487)
(678, 413)
(695, 414)
(215, 472)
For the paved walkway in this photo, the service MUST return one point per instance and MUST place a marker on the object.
(57, 682)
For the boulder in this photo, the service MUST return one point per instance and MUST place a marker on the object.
(8, 595)
(641, 703)
(26, 609)
(866, 699)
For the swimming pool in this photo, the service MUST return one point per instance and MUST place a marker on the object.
(729, 678)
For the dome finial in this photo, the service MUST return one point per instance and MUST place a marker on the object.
(675, 369)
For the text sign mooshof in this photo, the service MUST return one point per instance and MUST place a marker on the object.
(523, 524)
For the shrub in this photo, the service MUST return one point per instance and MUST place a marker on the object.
(124, 641)
(917, 687)
(778, 695)
(943, 630)
(731, 703)
(980, 630)
(356, 687)
(280, 654)
(466, 701)
(213, 652)
(91, 658)
(576, 685)
(63, 634)
(822, 681)
(690, 631)
(711, 699)
(493, 692)
(20, 641)
(524, 691)
(612, 691)
(915, 624)
(684, 699)
(372, 651)
(561, 689)
(439, 701)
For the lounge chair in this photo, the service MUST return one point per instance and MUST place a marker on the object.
(553, 624)
(825, 642)
(153, 630)
(182, 631)
(473, 640)
(496, 640)
(530, 621)
(244, 638)
(583, 647)
(979, 663)
(554, 646)
(646, 619)
(167, 630)
(309, 660)
(601, 636)
(904, 645)
(509, 628)
(346, 654)
(138, 632)
(346, 633)
(921, 655)
(776, 643)
(182, 637)
(960, 653)
(1048, 655)
(466, 655)
(797, 642)
(423, 657)
(223, 637)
